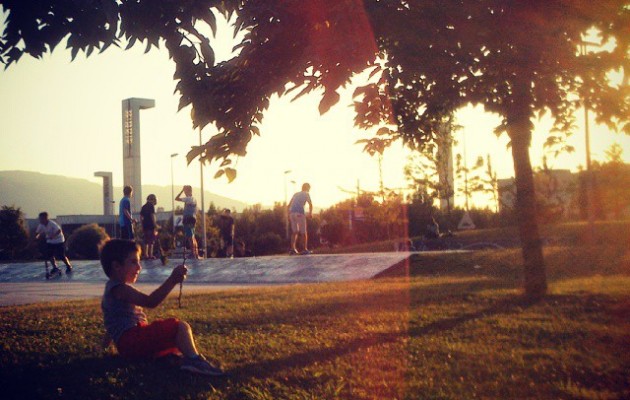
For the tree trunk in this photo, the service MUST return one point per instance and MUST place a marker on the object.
(519, 130)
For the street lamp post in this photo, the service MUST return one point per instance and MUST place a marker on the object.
(173, 194)
(113, 219)
(286, 205)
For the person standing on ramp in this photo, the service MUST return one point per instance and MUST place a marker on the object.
(297, 218)
(126, 219)
(190, 218)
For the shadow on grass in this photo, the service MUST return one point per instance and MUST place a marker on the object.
(109, 377)
(350, 304)
(269, 368)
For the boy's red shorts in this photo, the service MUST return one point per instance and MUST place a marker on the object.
(149, 340)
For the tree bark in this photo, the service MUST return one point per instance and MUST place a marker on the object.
(519, 130)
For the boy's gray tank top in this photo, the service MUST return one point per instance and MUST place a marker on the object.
(119, 316)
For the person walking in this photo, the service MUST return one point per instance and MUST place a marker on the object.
(125, 218)
(297, 218)
(55, 242)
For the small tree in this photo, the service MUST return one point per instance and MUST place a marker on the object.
(470, 176)
(490, 183)
(13, 232)
(86, 241)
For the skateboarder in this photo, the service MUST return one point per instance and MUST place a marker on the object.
(297, 217)
(55, 242)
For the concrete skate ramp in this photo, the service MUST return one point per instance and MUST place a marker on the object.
(255, 270)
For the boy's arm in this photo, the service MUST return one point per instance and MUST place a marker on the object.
(178, 197)
(129, 216)
(310, 206)
(132, 295)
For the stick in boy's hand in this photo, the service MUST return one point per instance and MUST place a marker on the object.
(179, 273)
(181, 282)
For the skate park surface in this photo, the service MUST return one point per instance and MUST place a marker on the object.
(24, 283)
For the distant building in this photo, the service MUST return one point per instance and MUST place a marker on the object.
(555, 187)
(132, 165)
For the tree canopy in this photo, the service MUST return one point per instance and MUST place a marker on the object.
(429, 57)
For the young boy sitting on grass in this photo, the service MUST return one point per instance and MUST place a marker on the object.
(126, 322)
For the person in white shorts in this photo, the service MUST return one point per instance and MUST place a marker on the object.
(297, 217)
(55, 242)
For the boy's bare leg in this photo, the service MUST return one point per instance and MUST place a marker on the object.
(185, 341)
(305, 236)
(193, 247)
(294, 238)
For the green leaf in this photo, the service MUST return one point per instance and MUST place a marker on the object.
(330, 99)
(194, 152)
(230, 173)
(211, 20)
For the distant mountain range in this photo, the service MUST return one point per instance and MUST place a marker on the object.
(34, 192)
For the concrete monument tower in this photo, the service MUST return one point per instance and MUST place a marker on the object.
(132, 167)
(108, 192)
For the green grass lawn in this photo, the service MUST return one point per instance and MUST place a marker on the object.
(439, 327)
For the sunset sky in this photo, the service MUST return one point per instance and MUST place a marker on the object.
(61, 117)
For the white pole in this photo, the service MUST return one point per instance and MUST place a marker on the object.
(286, 206)
(203, 213)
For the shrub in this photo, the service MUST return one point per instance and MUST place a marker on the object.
(86, 241)
(13, 232)
(268, 243)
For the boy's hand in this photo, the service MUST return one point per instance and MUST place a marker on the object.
(179, 273)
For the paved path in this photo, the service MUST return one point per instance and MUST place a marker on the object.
(22, 283)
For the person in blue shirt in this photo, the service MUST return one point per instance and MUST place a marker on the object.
(125, 218)
(297, 217)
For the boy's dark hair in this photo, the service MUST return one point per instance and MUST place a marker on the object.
(306, 187)
(43, 214)
(116, 250)
(127, 190)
